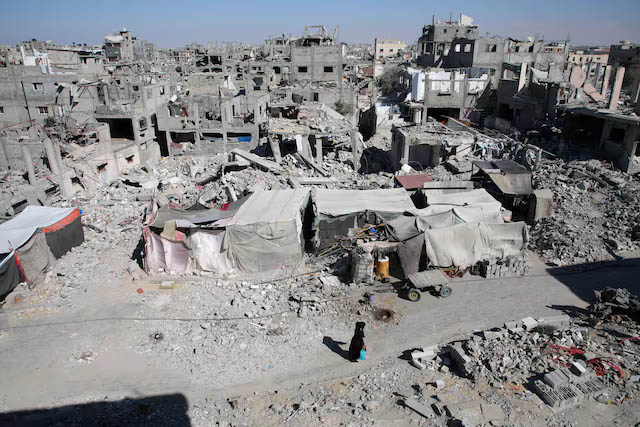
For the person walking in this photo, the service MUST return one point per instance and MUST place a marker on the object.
(357, 343)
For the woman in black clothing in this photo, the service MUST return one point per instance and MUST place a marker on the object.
(357, 342)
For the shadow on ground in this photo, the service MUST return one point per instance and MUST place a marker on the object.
(163, 410)
(335, 347)
(583, 279)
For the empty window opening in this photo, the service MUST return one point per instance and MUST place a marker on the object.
(328, 69)
(135, 88)
(302, 69)
(38, 87)
(43, 110)
(1, 110)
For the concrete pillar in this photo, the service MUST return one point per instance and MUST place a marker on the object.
(355, 149)
(58, 156)
(135, 124)
(588, 71)
(596, 77)
(274, 142)
(522, 80)
(4, 161)
(605, 80)
(319, 154)
(53, 162)
(65, 185)
(29, 165)
(425, 108)
(635, 94)
(195, 113)
(615, 90)
(107, 100)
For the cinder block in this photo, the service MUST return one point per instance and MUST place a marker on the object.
(417, 364)
(529, 323)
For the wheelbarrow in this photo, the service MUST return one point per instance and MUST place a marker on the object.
(427, 280)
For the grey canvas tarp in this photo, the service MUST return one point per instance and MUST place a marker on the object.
(338, 210)
(464, 245)
(189, 218)
(266, 232)
(335, 203)
(478, 197)
(35, 257)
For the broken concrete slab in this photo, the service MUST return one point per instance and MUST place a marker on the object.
(418, 407)
(263, 163)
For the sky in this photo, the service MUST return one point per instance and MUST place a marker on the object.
(171, 23)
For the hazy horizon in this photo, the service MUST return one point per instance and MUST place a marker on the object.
(167, 24)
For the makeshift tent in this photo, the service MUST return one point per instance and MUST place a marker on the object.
(464, 245)
(9, 273)
(36, 236)
(62, 228)
(168, 249)
(266, 232)
(475, 206)
(336, 211)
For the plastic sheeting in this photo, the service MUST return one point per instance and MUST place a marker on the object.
(164, 255)
(208, 252)
(15, 232)
(479, 196)
(266, 232)
(333, 203)
(464, 245)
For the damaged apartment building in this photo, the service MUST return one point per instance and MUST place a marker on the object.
(462, 73)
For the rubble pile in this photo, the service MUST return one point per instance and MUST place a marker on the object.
(616, 302)
(595, 212)
(524, 350)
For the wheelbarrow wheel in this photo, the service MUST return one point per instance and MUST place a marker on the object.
(445, 291)
(414, 295)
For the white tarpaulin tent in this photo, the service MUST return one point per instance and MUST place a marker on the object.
(15, 232)
(266, 232)
(464, 245)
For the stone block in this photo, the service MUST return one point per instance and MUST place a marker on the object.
(529, 323)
